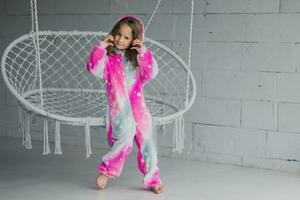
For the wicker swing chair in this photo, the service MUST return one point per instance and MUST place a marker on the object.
(45, 71)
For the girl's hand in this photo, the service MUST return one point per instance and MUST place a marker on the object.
(109, 40)
(136, 44)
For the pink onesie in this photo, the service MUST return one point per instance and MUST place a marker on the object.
(129, 118)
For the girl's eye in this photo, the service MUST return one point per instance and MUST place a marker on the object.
(118, 34)
(126, 38)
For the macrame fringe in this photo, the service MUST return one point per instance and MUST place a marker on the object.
(24, 126)
(24, 130)
(88, 139)
(57, 138)
(28, 144)
(179, 134)
(162, 129)
(20, 123)
(46, 140)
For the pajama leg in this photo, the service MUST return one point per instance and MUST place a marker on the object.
(121, 140)
(147, 157)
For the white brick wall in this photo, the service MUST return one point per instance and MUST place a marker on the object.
(245, 61)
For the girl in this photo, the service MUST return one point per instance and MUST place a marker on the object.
(121, 59)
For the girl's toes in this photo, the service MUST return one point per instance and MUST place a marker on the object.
(101, 181)
(158, 188)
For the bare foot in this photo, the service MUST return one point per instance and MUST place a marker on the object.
(101, 181)
(159, 188)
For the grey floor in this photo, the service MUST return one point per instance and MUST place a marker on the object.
(27, 174)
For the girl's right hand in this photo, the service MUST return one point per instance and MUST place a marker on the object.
(108, 39)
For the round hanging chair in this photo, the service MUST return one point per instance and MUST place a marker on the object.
(46, 72)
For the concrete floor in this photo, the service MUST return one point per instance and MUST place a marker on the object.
(27, 174)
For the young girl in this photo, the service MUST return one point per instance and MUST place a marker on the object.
(125, 64)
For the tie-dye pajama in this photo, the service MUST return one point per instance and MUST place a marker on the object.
(128, 117)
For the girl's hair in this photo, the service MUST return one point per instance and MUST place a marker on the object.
(137, 33)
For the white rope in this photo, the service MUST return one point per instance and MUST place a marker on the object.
(32, 31)
(179, 134)
(152, 15)
(190, 53)
(88, 138)
(20, 123)
(179, 130)
(23, 126)
(46, 149)
(162, 129)
(27, 130)
(35, 29)
(57, 138)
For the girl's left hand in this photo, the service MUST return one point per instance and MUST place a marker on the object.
(136, 44)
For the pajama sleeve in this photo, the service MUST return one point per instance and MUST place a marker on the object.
(96, 60)
(147, 65)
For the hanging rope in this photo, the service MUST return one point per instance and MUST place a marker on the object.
(179, 134)
(87, 131)
(179, 130)
(35, 30)
(46, 149)
(190, 53)
(57, 138)
(26, 140)
(152, 15)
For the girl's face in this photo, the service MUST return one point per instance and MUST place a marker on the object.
(124, 37)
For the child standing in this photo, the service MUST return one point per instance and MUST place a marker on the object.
(125, 64)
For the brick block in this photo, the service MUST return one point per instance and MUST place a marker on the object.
(184, 7)
(239, 85)
(230, 141)
(288, 6)
(288, 119)
(215, 111)
(288, 87)
(283, 145)
(276, 57)
(17, 7)
(259, 114)
(212, 28)
(242, 6)
(265, 28)
(140, 7)
(76, 7)
(13, 26)
(59, 22)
